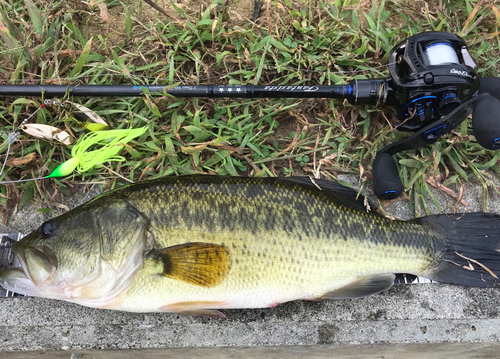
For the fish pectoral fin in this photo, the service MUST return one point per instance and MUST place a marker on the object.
(362, 287)
(195, 308)
(202, 264)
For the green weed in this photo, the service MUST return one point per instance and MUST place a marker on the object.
(310, 42)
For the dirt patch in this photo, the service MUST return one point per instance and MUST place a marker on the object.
(237, 13)
(114, 30)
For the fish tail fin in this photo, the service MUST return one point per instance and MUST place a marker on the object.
(466, 249)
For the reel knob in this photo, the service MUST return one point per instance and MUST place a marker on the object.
(486, 122)
(449, 102)
(386, 181)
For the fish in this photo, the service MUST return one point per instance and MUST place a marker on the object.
(199, 244)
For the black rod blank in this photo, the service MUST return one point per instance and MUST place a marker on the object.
(376, 91)
(243, 91)
(218, 91)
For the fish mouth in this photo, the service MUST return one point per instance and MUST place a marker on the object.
(15, 280)
(38, 262)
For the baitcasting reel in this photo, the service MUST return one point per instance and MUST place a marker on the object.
(434, 86)
(431, 74)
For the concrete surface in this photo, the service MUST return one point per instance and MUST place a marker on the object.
(419, 313)
(380, 351)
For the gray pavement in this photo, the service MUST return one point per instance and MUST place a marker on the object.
(417, 313)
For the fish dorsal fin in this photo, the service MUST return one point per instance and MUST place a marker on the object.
(202, 264)
(362, 287)
(342, 195)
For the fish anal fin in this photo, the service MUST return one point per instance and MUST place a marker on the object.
(202, 264)
(361, 287)
(195, 308)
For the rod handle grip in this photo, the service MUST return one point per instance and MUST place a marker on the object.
(486, 122)
(490, 85)
(386, 181)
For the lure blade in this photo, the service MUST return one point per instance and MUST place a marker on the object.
(46, 132)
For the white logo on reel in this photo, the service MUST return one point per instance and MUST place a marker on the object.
(462, 73)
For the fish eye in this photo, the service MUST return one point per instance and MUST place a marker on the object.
(47, 228)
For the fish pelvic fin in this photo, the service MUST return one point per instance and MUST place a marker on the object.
(466, 249)
(362, 286)
(195, 308)
(201, 264)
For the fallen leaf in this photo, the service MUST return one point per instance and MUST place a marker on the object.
(12, 202)
(497, 13)
(433, 182)
(21, 160)
(104, 12)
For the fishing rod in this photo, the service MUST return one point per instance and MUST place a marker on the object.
(433, 84)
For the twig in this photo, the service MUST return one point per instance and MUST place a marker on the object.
(294, 142)
(433, 182)
(163, 11)
(116, 173)
(479, 264)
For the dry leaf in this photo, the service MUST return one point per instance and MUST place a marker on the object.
(472, 14)
(12, 202)
(60, 205)
(214, 26)
(21, 160)
(104, 12)
(48, 133)
(497, 13)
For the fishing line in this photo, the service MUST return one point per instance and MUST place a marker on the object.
(24, 180)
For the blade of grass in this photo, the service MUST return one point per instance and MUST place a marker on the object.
(82, 59)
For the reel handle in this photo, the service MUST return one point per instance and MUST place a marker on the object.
(386, 181)
(486, 121)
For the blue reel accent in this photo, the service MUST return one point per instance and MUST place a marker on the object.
(390, 195)
(433, 134)
(452, 95)
(420, 105)
(495, 144)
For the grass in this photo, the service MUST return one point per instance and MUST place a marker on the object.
(311, 42)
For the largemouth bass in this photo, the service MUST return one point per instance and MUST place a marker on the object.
(196, 244)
